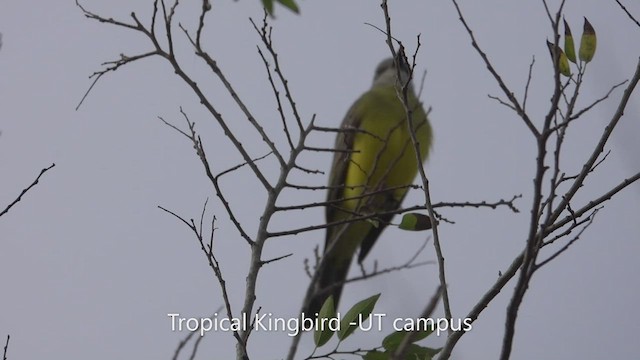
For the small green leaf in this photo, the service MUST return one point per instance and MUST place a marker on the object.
(356, 315)
(563, 62)
(291, 5)
(322, 335)
(415, 222)
(569, 46)
(412, 352)
(268, 5)
(392, 341)
(376, 355)
(588, 42)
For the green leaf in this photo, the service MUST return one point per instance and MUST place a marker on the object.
(588, 42)
(415, 222)
(268, 5)
(376, 355)
(328, 311)
(291, 5)
(392, 341)
(563, 62)
(413, 352)
(356, 315)
(569, 46)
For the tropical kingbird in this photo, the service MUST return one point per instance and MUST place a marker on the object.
(373, 166)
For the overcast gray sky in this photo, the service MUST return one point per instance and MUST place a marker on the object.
(90, 267)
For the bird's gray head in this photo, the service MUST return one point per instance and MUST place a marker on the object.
(386, 73)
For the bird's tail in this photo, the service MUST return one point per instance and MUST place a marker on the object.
(330, 282)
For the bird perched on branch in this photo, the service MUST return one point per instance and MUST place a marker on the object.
(373, 166)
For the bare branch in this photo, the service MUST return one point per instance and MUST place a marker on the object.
(236, 167)
(265, 35)
(502, 102)
(588, 165)
(404, 97)
(526, 87)
(628, 13)
(507, 275)
(519, 110)
(592, 204)
(574, 224)
(229, 134)
(409, 264)
(101, 19)
(276, 94)
(187, 338)
(345, 130)
(308, 171)
(197, 145)
(493, 205)
(213, 263)
(588, 223)
(24, 191)
(6, 347)
(252, 120)
(484, 301)
(356, 217)
(401, 350)
(174, 127)
(265, 262)
(364, 195)
(606, 96)
(534, 241)
(112, 66)
(263, 234)
(194, 351)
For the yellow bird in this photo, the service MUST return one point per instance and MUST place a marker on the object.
(373, 166)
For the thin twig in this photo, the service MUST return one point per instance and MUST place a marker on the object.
(526, 87)
(24, 191)
(592, 204)
(399, 353)
(187, 338)
(197, 145)
(599, 148)
(404, 97)
(6, 347)
(519, 110)
(493, 205)
(628, 13)
(207, 249)
(534, 241)
(588, 223)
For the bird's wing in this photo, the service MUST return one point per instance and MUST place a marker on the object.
(373, 234)
(344, 143)
(392, 203)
